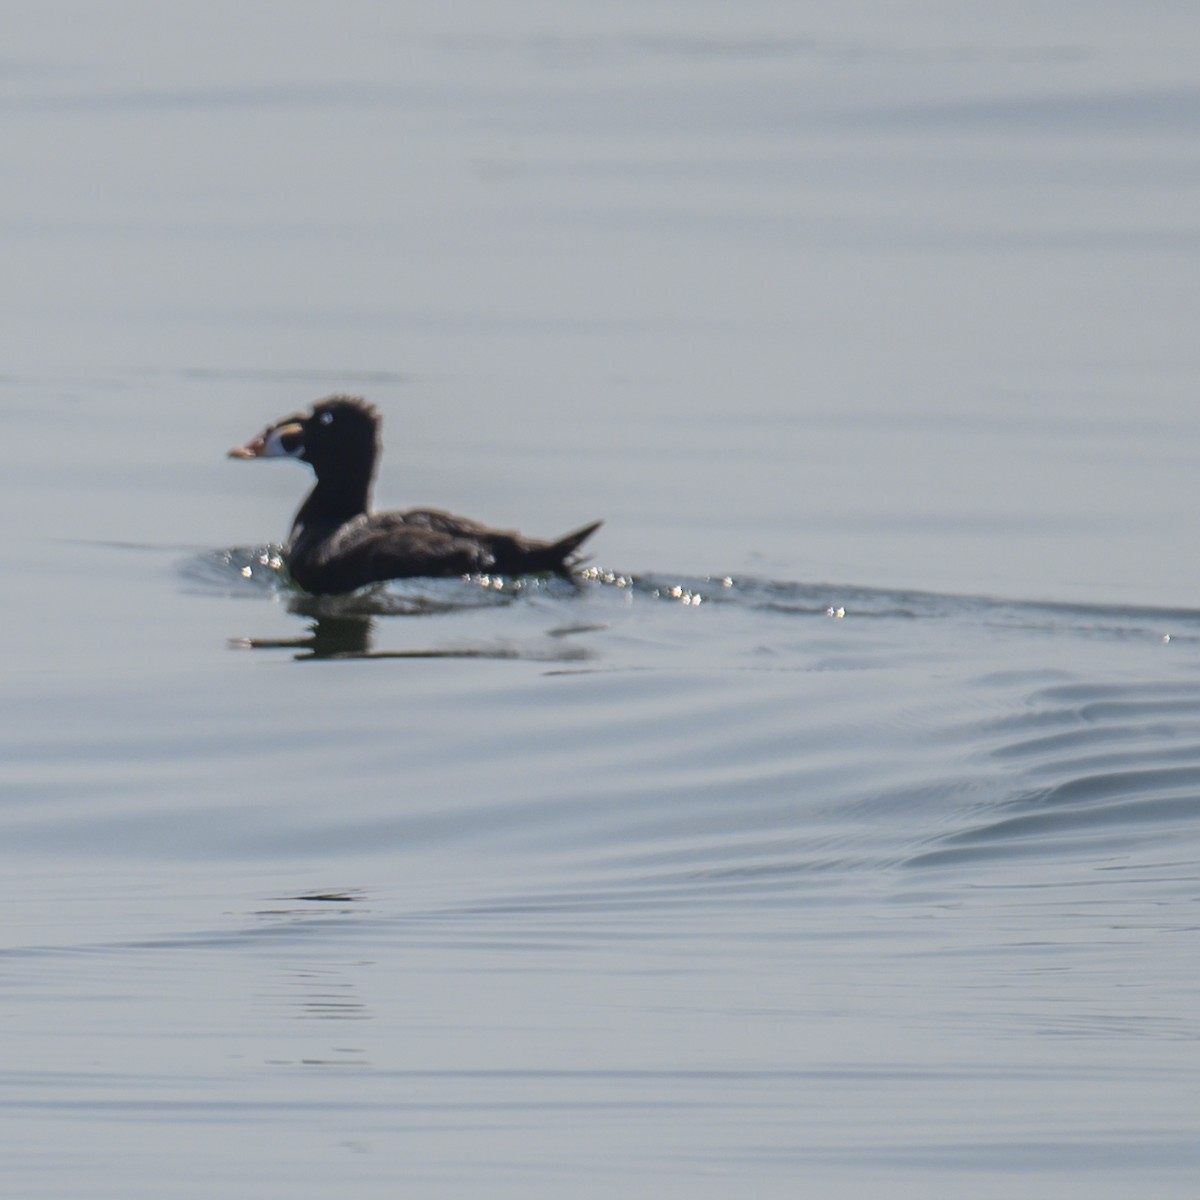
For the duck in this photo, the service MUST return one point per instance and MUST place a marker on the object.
(337, 544)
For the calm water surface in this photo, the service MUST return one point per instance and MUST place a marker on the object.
(838, 834)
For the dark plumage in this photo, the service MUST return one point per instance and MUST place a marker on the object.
(337, 544)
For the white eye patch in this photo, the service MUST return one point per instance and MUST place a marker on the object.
(284, 442)
(326, 418)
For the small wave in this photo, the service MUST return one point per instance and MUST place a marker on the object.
(259, 570)
(857, 601)
(1100, 768)
(238, 571)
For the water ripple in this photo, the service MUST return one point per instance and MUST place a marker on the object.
(1119, 766)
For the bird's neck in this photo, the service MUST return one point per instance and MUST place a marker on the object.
(339, 499)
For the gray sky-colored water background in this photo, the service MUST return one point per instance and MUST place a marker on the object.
(837, 834)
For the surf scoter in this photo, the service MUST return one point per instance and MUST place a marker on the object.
(337, 544)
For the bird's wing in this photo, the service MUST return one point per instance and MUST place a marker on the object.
(395, 546)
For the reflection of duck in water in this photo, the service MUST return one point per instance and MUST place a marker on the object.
(328, 637)
(352, 635)
(337, 544)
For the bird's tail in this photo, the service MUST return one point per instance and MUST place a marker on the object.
(561, 556)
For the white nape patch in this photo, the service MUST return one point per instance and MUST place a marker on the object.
(273, 446)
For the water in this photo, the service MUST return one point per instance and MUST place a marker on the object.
(837, 833)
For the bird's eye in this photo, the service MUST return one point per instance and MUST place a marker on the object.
(326, 418)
